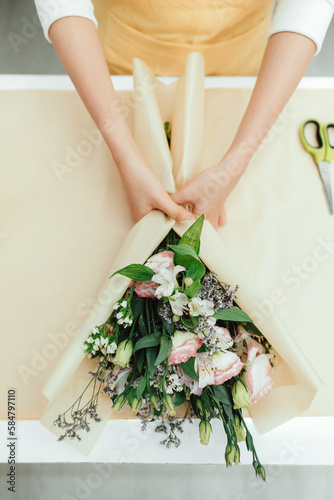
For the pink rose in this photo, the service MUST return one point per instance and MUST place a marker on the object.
(164, 259)
(185, 346)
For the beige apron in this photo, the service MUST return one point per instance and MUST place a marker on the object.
(230, 34)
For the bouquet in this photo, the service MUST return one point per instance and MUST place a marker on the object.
(177, 339)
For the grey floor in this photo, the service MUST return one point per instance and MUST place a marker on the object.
(165, 482)
(24, 50)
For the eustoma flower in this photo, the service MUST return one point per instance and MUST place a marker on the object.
(185, 346)
(257, 375)
(216, 369)
(158, 261)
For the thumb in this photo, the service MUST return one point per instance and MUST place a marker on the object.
(176, 212)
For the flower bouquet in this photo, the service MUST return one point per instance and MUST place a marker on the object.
(177, 339)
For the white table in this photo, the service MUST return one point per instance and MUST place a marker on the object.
(301, 441)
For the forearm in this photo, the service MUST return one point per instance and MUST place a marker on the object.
(78, 47)
(285, 61)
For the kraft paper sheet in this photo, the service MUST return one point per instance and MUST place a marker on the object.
(67, 228)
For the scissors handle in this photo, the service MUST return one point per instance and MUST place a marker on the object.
(318, 152)
(330, 141)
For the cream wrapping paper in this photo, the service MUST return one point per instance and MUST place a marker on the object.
(259, 245)
(146, 235)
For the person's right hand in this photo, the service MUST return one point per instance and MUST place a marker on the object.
(145, 193)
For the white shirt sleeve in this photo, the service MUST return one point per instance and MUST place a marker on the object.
(50, 10)
(307, 17)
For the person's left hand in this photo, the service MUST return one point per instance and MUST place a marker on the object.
(207, 192)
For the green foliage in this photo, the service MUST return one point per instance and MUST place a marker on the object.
(137, 272)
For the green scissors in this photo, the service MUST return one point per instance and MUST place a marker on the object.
(323, 154)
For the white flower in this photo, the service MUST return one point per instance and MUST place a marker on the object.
(95, 330)
(222, 338)
(116, 306)
(211, 321)
(178, 302)
(128, 320)
(111, 349)
(167, 281)
(104, 341)
(169, 390)
(119, 384)
(174, 378)
(119, 315)
(96, 343)
(201, 307)
(124, 303)
(90, 340)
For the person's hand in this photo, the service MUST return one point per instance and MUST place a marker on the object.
(145, 193)
(207, 192)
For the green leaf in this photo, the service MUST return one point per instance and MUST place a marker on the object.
(234, 314)
(180, 398)
(192, 236)
(131, 395)
(190, 324)
(249, 442)
(251, 328)
(141, 387)
(142, 326)
(137, 272)
(151, 354)
(165, 350)
(189, 368)
(196, 270)
(184, 250)
(229, 412)
(193, 289)
(137, 305)
(139, 361)
(223, 394)
(148, 341)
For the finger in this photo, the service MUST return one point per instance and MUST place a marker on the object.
(182, 197)
(176, 212)
(222, 219)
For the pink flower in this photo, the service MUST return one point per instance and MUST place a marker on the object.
(226, 365)
(158, 261)
(246, 345)
(257, 376)
(215, 369)
(161, 259)
(146, 289)
(185, 346)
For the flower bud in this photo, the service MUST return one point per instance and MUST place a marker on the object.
(239, 429)
(232, 455)
(204, 432)
(168, 404)
(240, 395)
(119, 402)
(261, 472)
(176, 318)
(123, 353)
(200, 407)
(188, 282)
(155, 401)
(136, 404)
